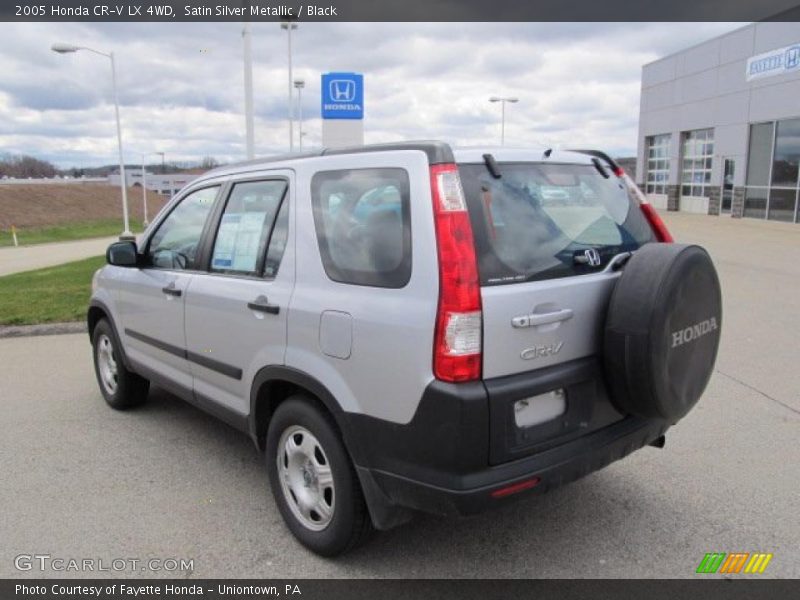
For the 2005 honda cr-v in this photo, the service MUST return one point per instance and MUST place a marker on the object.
(409, 327)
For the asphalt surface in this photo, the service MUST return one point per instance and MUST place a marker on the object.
(38, 256)
(167, 481)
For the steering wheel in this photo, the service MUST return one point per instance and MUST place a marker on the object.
(182, 255)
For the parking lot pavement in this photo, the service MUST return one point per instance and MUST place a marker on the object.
(759, 266)
(167, 481)
(27, 258)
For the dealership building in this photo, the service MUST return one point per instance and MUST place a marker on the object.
(719, 125)
(167, 184)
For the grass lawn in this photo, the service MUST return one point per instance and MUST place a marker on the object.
(53, 294)
(70, 231)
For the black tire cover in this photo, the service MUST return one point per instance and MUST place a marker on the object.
(662, 331)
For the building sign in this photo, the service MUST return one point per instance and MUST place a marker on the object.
(342, 96)
(774, 62)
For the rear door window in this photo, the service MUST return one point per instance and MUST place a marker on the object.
(537, 220)
(362, 219)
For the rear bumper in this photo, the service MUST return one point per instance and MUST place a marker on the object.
(459, 449)
(552, 469)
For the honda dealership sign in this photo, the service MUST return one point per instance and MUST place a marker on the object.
(342, 96)
(775, 62)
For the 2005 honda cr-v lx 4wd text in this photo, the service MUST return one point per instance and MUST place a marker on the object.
(409, 327)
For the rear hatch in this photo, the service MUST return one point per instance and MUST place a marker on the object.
(547, 235)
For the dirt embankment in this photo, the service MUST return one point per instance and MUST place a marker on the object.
(47, 205)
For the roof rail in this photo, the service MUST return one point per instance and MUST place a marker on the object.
(437, 152)
(267, 159)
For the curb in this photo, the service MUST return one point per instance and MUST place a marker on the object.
(13, 331)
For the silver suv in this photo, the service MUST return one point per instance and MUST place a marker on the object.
(408, 327)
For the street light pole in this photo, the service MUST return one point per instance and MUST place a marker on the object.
(144, 190)
(299, 84)
(66, 48)
(502, 102)
(502, 123)
(248, 93)
(123, 181)
(288, 26)
(146, 221)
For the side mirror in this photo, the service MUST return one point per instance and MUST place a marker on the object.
(122, 254)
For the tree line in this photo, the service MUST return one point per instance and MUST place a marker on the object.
(23, 166)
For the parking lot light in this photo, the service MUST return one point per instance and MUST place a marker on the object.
(61, 48)
(502, 102)
(248, 92)
(299, 84)
(289, 26)
(144, 190)
(144, 184)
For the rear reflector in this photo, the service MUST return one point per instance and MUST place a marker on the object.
(515, 488)
(458, 337)
(656, 224)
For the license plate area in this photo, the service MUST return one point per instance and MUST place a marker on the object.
(539, 409)
(563, 402)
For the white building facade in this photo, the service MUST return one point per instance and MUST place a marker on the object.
(719, 125)
(167, 184)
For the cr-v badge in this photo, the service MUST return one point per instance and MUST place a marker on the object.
(538, 351)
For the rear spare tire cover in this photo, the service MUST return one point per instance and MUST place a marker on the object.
(662, 331)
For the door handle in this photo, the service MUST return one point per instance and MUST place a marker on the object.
(536, 319)
(170, 290)
(261, 304)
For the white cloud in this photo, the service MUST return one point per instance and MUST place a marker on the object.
(181, 84)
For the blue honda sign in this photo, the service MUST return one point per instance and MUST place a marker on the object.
(342, 96)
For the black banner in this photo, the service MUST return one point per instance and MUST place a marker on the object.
(399, 10)
(440, 589)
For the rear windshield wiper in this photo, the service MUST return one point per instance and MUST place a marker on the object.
(600, 168)
(491, 165)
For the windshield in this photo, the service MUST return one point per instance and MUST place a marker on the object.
(537, 220)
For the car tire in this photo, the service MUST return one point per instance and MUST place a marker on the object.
(313, 480)
(121, 388)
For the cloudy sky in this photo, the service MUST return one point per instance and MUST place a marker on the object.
(181, 84)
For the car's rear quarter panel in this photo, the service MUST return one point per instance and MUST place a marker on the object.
(390, 362)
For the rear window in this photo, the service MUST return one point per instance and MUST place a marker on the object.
(363, 224)
(537, 220)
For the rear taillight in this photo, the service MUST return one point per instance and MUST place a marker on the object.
(656, 224)
(458, 335)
